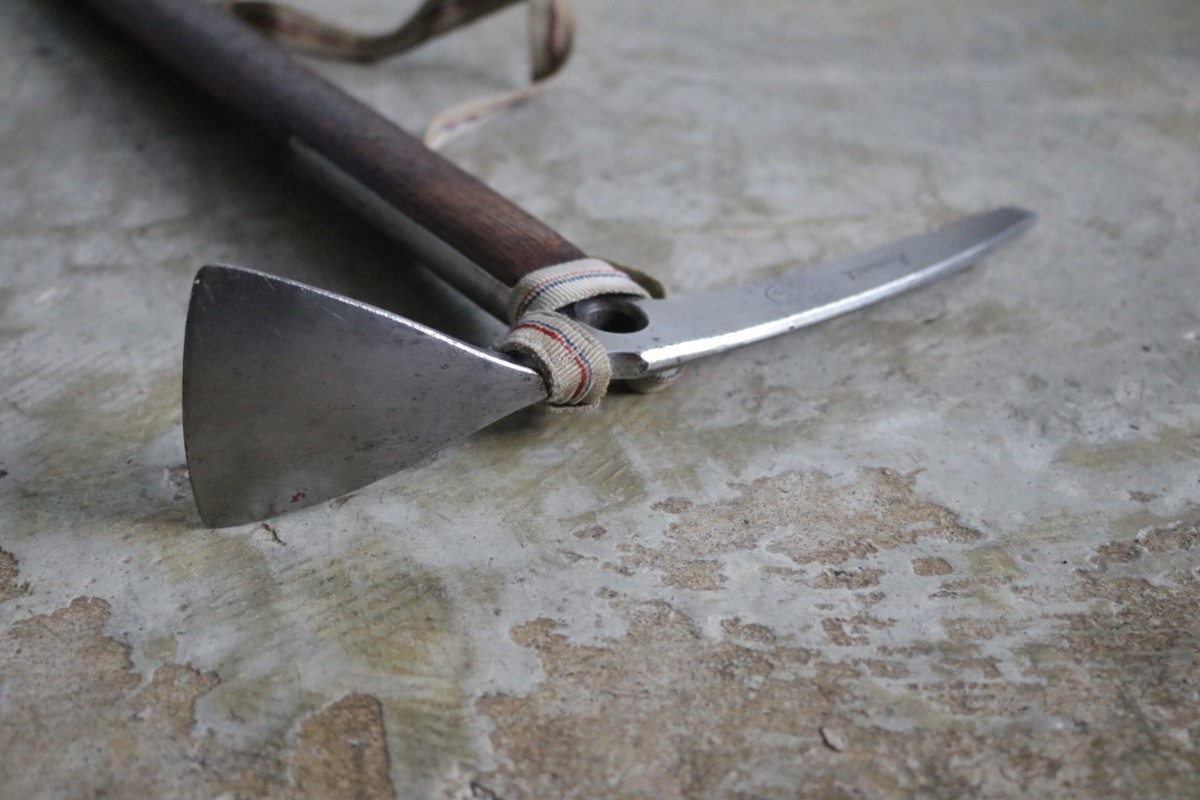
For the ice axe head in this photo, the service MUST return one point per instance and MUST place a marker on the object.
(293, 395)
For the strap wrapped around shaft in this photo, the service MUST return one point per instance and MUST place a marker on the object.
(573, 363)
(556, 287)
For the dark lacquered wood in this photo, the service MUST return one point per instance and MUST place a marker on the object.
(265, 83)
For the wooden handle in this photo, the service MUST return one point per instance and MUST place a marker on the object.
(262, 81)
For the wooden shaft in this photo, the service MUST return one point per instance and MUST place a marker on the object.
(263, 82)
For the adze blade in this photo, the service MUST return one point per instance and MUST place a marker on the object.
(293, 395)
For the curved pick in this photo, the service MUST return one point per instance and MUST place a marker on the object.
(681, 328)
(293, 395)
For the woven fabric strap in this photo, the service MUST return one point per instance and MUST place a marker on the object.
(551, 37)
(552, 288)
(573, 363)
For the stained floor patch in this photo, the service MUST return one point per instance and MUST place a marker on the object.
(342, 751)
(9, 587)
(79, 720)
(806, 518)
(1107, 695)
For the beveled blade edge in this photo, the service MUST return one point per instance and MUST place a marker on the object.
(686, 327)
(293, 395)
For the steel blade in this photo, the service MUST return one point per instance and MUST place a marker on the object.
(679, 329)
(293, 395)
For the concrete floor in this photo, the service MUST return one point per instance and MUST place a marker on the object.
(946, 547)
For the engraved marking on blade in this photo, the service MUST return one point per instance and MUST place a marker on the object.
(883, 263)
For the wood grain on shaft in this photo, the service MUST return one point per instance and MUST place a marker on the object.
(263, 82)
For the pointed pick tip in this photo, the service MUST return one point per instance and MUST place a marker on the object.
(1020, 219)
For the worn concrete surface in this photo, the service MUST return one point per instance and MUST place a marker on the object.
(946, 547)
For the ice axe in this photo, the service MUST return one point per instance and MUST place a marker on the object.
(294, 395)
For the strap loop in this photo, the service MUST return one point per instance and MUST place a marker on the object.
(573, 363)
(551, 37)
(555, 287)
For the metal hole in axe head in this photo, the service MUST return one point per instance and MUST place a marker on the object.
(609, 313)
